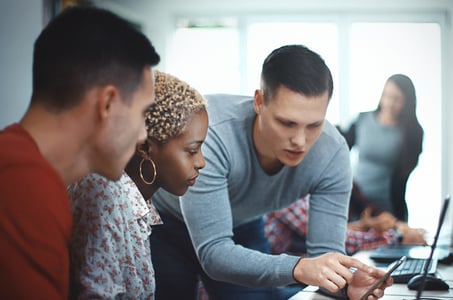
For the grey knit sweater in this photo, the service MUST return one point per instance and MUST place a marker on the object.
(233, 189)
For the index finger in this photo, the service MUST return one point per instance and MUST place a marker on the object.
(351, 262)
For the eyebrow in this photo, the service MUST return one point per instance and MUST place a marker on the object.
(316, 123)
(195, 142)
(284, 119)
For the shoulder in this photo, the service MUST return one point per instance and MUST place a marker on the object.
(368, 115)
(97, 191)
(18, 148)
(22, 164)
(331, 135)
(100, 203)
(227, 107)
(331, 147)
(230, 123)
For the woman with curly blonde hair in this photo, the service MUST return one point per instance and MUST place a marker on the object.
(110, 250)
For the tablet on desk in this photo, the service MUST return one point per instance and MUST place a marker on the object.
(390, 253)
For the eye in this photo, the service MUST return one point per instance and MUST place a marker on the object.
(193, 151)
(314, 126)
(287, 123)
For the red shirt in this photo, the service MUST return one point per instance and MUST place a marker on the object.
(35, 221)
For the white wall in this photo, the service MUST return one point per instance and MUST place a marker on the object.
(20, 24)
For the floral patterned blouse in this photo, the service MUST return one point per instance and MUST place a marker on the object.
(110, 251)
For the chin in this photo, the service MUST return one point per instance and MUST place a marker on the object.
(112, 174)
(114, 177)
(180, 192)
(185, 190)
(292, 163)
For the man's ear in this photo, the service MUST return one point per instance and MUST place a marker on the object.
(107, 97)
(258, 101)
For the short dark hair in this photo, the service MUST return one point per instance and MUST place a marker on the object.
(84, 47)
(297, 68)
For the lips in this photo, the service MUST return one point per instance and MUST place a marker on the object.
(192, 181)
(295, 152)
(294, 155)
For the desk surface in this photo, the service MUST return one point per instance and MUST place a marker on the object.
(396, 291)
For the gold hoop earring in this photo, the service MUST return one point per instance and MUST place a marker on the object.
(154, 171)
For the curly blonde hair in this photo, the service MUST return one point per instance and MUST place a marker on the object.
(175, 102)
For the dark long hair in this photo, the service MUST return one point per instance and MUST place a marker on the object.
(412, 131)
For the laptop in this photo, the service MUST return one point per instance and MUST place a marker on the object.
(419, 262)
(425, 273)
(392, 252)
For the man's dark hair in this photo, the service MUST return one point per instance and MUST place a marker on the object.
(84, 47)
(297, 68)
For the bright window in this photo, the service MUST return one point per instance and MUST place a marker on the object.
(207, 58)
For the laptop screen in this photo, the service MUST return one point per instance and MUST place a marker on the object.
(433, 246)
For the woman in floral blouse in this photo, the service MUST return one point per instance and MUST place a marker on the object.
(110, 251)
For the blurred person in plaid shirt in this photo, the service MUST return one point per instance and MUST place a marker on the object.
(286, 230)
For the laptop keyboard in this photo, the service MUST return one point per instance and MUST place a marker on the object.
(409, 268)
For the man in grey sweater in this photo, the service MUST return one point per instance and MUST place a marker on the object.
(262, 154)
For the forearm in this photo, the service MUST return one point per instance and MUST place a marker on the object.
(329, 205)
(239, 265)
(327, 224)
(219, 255)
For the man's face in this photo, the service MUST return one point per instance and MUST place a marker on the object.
(287, 127)
(126, 128)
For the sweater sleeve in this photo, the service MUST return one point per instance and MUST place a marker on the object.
(207, 213)
(329, 205)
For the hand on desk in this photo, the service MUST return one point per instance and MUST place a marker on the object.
(332, 272)
(382, 222)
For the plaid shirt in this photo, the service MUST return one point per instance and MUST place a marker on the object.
(286, 230)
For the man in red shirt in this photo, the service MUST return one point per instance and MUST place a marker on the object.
(92, 83)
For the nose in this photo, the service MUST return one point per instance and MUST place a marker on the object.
(200, 162)
(298, 139)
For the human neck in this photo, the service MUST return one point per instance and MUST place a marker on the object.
(61, 140)
(387, 118)
(268, 163)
